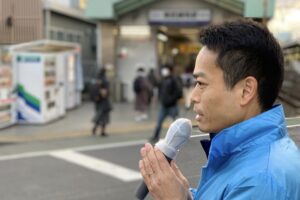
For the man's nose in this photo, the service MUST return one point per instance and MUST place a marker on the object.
(194, 96)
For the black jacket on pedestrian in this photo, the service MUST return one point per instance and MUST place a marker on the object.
(170, 91)
(102, 102)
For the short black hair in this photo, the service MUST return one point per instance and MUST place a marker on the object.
(140, 69)
(247, 48)
(101, 73)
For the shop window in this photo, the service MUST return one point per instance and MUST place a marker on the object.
(60, 35)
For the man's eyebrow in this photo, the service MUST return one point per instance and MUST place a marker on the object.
(199, 74)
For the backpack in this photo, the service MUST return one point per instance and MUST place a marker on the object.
(137, 85)
(179, 87)
(171, 91)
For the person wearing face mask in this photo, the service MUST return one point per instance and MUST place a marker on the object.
(170, 91)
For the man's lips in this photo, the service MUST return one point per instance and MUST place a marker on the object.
(199, 114)
(198, 117)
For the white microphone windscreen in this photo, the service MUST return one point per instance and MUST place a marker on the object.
(178, 134)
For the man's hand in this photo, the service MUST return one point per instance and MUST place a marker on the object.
(164, 181)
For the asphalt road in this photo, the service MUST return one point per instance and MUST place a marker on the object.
(82, 169)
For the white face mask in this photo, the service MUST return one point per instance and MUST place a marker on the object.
(165, 72)
(141, 73)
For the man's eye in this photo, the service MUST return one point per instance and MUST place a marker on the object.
(199, 83)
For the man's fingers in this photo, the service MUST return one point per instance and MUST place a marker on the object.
(153, 162)
(176, 169)
(143, 171)
(164, 164)
(179, 174)
(146, 163)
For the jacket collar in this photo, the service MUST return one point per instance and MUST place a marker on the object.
(261, 129)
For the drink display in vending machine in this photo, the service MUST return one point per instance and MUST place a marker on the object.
(7, 94)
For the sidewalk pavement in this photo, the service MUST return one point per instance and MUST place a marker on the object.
(77, 123)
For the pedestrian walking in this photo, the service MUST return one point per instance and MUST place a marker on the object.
(103, 106)
(170, 91)
(142, 89)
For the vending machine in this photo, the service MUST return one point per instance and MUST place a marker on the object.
(73, 78)
(40, 95)
(47, 79)
(7, 89)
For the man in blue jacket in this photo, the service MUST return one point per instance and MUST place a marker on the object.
(239, 72)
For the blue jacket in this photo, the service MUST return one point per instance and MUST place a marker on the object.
(254, 159)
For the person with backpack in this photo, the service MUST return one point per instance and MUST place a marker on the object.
(142, 88)
(170, 91)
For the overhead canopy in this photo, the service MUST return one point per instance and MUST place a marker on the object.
(46, 46)
(124, 7)
(103, 9)
(112, 9)
(234, 6)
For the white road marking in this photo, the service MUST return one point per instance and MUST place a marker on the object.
(98, 165)
(292, 118)
(200, 135)
(84, 148)
(96, 147)
(110, 145)
(293, 126)
(23, 155)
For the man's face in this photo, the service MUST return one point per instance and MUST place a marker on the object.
(216, 106)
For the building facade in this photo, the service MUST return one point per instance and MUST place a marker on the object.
(62, 20)
(65, 21)
(151, 33)
(20, 21)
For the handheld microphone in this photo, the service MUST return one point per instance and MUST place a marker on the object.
(178, 134)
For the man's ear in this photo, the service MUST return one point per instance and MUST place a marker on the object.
(249, 90)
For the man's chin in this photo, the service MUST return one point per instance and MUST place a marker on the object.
(206, 129)
(203, 129)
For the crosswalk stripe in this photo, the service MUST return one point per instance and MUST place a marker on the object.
(99, 165)
(83, 148)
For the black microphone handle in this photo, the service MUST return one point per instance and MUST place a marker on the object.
(142, 190)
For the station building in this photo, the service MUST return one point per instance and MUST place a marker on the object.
(151, 33)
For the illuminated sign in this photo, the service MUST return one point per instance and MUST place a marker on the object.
(184, 17)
